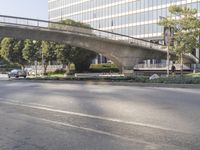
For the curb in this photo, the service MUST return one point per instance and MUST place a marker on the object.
(113, 83)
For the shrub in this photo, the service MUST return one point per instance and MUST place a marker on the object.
(57, 71)
(60, 71)
(177, 80)
(103, 68)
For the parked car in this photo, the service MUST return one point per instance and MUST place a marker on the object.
(17, 73)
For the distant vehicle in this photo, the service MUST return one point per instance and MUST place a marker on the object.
(17, 73)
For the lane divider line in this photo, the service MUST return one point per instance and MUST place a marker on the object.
(147, 144)
(17, 103)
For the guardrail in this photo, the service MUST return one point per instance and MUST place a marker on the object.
(161, 67)
(20, 21)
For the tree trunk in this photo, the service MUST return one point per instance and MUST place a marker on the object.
(68, 69)
(45, 69)
(181, 64)
(22, 66)
(64, 65)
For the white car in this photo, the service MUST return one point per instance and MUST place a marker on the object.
(17, 73)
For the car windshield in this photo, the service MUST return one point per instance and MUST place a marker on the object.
(15, 70)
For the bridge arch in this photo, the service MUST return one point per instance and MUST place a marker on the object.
(124, 51)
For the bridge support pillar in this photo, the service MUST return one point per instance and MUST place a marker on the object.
(128, 71)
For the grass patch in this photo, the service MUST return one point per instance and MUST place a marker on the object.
(193, 74)
(103, 68)
(56, 75)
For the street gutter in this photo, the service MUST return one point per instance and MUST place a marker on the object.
(113, 83)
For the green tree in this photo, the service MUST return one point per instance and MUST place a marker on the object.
(63, 24)
(6, 48)
(11, 50)
(17, 52)
(49, 55)
(31, 51)
(63, 54)
(186, 27)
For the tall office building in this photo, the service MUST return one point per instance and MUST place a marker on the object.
(137, 18)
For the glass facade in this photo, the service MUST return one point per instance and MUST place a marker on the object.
(137, 18)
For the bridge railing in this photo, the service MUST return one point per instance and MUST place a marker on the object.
(162, 66)
(20, 21)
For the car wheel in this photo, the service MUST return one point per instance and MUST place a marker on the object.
(24, 76)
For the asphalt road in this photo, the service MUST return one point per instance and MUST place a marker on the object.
(47, 116)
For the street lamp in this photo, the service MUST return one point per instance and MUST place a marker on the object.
(167, 37)
(42, 62)
(35, 62)
(61, 11)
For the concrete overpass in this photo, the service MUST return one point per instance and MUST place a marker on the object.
(123, 50)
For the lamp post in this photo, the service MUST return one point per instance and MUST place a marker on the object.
(168, 36)
(167, 41)
(61, 11)
(168, 57)
(42, 62)
(35, 62)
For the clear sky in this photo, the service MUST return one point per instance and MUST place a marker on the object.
(25, 8)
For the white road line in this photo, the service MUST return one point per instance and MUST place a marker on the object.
(102, 133)
(30, 104)
(97, 132)
(89, 129)
(18, 103)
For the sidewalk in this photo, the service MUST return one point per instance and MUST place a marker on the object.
(3, 76)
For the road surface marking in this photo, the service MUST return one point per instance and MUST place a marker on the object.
(152, 145)
(18, 103)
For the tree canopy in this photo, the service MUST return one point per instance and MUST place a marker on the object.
(31, 51)
(186, 27)
(11, 50)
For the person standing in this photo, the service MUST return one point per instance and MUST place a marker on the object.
(173, 69)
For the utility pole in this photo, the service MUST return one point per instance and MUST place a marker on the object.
(42, 64)
(167, 40)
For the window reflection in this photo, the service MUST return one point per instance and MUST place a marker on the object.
(132, 17)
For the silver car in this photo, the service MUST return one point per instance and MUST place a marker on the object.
(17, 73)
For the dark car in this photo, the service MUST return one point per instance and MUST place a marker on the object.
(17, 73)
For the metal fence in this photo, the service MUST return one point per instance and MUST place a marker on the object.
(162, 67)
(39, 68)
